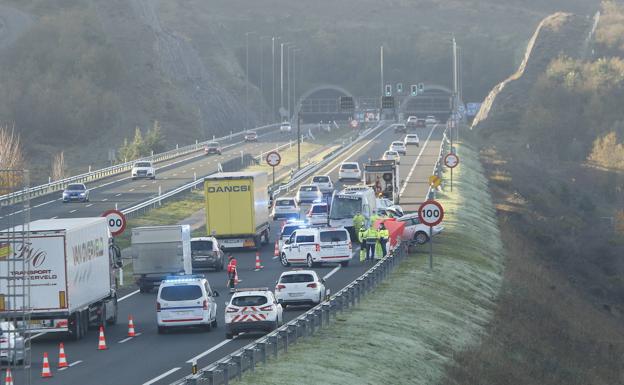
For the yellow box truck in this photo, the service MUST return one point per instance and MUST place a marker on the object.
(237, 208)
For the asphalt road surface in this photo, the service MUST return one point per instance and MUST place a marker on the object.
(152, 358)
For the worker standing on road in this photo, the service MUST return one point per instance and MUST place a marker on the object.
(371, 235)
(232, 273)
(362, 240)
(358, 221)
(384, 235)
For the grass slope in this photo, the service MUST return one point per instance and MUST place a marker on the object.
(412, 325)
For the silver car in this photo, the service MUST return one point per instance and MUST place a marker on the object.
(309, 193)
(324, 183)
(11, 343)
(76, 192)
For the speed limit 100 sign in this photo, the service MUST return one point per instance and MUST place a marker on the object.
(116, 221)
(430, 213)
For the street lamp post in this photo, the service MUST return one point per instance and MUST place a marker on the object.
(273, 76)
(247, 78)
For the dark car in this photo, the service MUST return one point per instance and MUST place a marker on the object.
(399, 127)
(251, 137)
(421, 123)
(76, 192)
(206, 254)
(212, 148)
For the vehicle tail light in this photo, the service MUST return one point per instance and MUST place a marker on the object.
(3, 340)
(266, 308)
(280, 287)
(318, 247)
(205, 305)
(231, 309)
(350, 246)
(157, 306)
(312, 285)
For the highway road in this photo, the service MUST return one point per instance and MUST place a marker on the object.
(151, 358)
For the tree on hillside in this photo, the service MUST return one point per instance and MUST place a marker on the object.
(11, 158)
(153, 142)
(59, 168)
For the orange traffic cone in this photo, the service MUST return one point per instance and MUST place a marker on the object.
(8, 380)
(258, 265)
(62, 358)
(102, 341)
(131, 332)
(45, 370)
(276, 251)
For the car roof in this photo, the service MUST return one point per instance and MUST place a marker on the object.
(350, 163)
(397, 142)
(285, 199)
(298, 271)
(319, 204)
(253, 291)
(408, 135)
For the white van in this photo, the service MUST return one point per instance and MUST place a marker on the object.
(186, 301)
(317, 245)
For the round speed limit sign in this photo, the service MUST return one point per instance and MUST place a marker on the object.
(273, 159)
(430, 213)
(116, 221)
(451, 160)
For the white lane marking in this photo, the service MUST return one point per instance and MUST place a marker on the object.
(143, 185)
(53, 217)
(409, 176)
(104, 200)
(128, 295)
(193, 168)
(73, 211)
(212, 349)
(46, 203)
(89, 205)
(332, 272)
(128, 338)
(175, 175)
(118, 195)
(70, 365)
(36, 335)
(165, 374)
(131, 190)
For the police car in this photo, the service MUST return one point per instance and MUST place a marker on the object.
(186, 300)
(252, 310)
(300, 287)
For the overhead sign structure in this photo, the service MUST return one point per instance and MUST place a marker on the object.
(116, 221)
(273, 158)
(435, 181)
(451, 160)
(431, 214)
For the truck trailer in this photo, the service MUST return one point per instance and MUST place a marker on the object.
(71, 269)
(383, 177)
(237, 209)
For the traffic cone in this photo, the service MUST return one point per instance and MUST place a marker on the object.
(8, 379)
(45, 370)
(62, 358)
(276, 251)
(236, 280)
(102, 341)
(258, 265)
(131, 332)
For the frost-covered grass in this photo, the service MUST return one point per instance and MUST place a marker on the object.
(407, 330)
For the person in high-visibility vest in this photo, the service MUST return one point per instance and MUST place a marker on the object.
(384, 236)
(362, 240)
(232, 273)
(371, 235)
(358, 221)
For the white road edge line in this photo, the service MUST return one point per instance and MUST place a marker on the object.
(332, 272)
(165, 374)
(70, 365)
(89, 205)
(73, 211)
(409, 176)
(212, 349)
(128, 295)
(128, 338)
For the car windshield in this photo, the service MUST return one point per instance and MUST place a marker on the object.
(76, 187)
(285, 202)
(320, 179)
(201, 247)
(288, 229)
(181, 293)
(143, 164)
(297, 278)
(334, 236)
(308, 188)
(397, 144)
(249, 300)
(213, 144)
(319, 209)
(343, 207)
(391, 153)
(349, 166)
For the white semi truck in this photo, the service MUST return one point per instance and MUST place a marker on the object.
(71, 266)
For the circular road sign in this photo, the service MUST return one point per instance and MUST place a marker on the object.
(273, 159)
(354, 123)
(116, 221)
(451, 160)
(430, 213)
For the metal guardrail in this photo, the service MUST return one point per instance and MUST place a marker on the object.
(246, 358)
(438, 168)
(58, 185)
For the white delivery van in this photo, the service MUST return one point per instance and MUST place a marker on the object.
(315, 246)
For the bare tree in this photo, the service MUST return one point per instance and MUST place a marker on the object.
(59, 169)
(11, 158)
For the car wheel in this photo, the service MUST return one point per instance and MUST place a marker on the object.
(421, 237)
(284, 260)
(214, 323)
(309, 261)
(344, 263)
(162, 330)
(229, 336)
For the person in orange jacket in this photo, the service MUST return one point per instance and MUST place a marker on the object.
(232, 273)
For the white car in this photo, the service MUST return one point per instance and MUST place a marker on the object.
(285, 127)
(385, 204)
(392, 155)
(411, 120)
(411, 139)
(252, 310)
(287, 229)
(318, 214)
(399, 147)
(309, 193)
(300, 287)
(324, 183)
(11, 344)
(430, 119)
(317, 245)
(186, 300)
(143, 169)
(349, 170)
(416, 231)
(285, 208)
